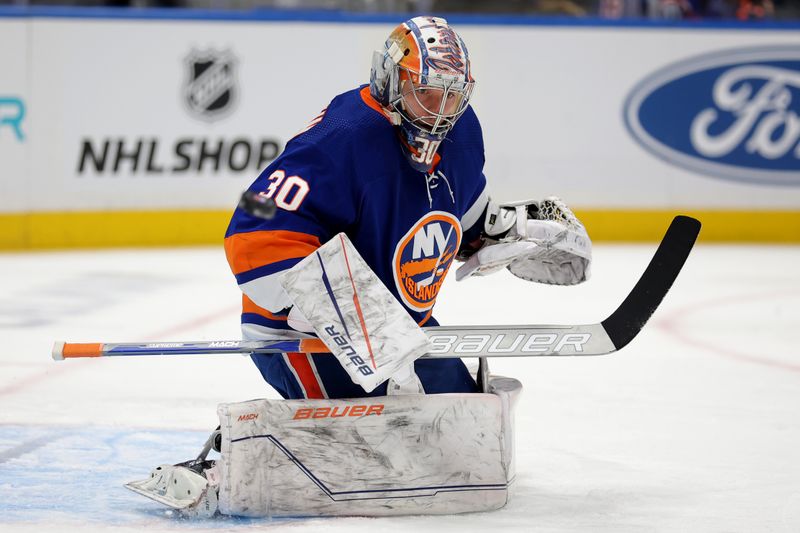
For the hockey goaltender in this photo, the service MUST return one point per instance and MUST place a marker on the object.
(373, 201)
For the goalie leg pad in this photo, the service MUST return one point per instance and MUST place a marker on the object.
(380, 456)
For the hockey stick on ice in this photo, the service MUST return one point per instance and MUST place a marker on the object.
(608, 336)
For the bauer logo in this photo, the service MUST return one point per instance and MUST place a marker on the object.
(342, 341)
(423, 256)
(338, 411)
(210, 90)
(731, 114)
(500, 343)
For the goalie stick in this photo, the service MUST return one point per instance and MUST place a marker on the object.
(610, 335)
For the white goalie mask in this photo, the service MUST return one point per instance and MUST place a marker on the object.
(423, 76)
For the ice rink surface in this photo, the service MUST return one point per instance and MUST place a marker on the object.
(693, 427)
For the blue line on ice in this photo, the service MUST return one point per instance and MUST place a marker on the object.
(76, 474)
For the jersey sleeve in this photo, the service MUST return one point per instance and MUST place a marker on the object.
(472, 222)
(314, 203)
(467, 137)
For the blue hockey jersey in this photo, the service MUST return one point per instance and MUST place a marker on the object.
(346, 172)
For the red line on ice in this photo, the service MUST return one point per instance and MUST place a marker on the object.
(670, 324)
(65, 367)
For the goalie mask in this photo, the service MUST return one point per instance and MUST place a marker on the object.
(422, 75)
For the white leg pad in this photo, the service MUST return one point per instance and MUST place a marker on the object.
(390, 455)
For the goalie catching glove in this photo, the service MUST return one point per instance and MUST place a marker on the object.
(536, 241)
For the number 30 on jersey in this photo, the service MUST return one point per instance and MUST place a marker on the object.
(288, 193)
(427, 150)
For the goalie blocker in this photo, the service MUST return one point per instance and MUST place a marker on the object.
(379, 456)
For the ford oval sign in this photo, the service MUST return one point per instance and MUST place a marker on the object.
(732, 114)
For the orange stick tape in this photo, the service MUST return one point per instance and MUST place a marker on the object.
(77, 349)
(313, 346)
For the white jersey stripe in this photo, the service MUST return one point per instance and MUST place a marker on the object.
(267, 292)
(256, 332)
(474, 212)
(316, 375)
(294, 373)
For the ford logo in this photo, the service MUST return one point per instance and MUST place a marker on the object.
(731, 114)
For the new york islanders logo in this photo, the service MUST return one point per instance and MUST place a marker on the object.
(423, 256)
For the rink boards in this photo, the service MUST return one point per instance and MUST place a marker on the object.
(150, 141)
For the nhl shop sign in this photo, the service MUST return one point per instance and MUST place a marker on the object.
(209, 92)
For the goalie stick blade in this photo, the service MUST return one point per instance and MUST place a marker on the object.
(637, 308)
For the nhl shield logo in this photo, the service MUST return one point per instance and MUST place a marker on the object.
(210, 91)
(423, 257)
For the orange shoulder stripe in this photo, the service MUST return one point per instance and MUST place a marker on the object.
(374, 104)
(246, 251)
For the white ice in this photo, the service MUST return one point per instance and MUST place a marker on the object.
(693, 427)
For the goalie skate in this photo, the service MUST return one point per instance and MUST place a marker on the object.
(190, 488)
